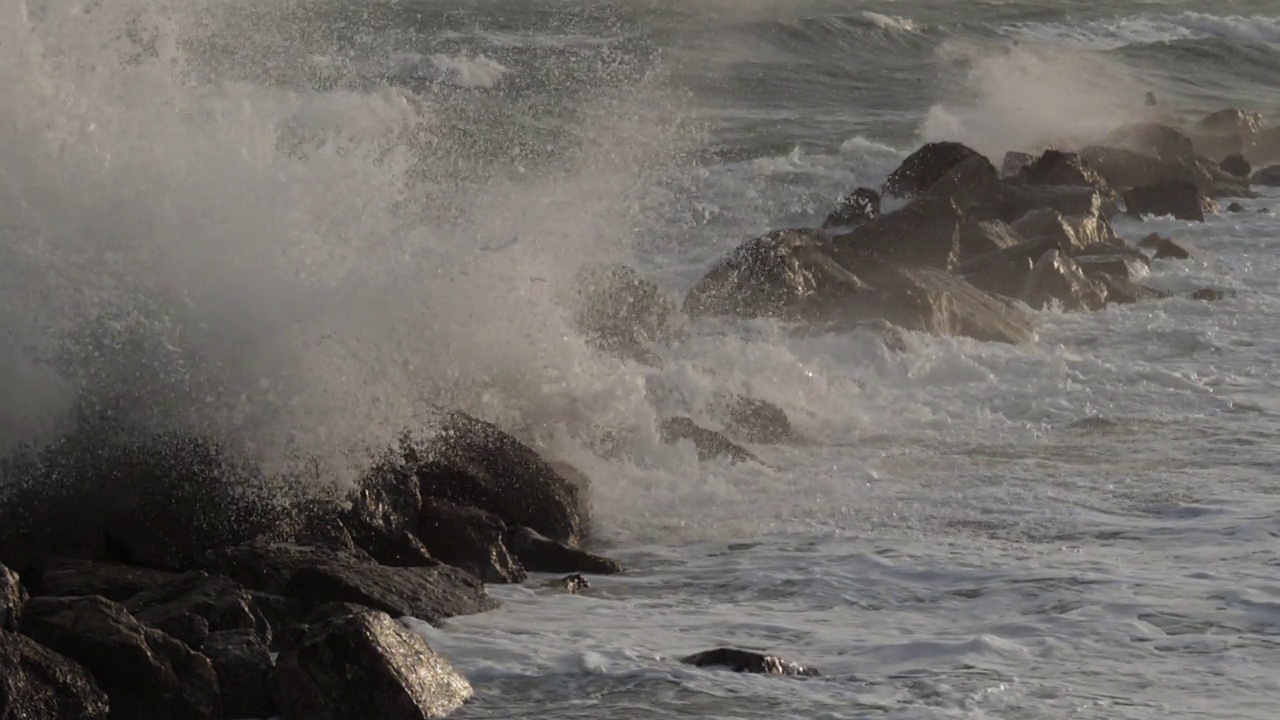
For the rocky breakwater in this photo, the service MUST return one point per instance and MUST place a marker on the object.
(163, 577)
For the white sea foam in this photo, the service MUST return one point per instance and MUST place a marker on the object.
(892, 23)
(1110, 34)
(478, 71)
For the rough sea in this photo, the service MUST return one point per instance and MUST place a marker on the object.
(296, 223)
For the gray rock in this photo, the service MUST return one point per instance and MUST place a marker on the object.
(753, 420)
(245, 672)
(1013, 163)
(981, 237)
(1269, 176)
(856, 208)
(1058, 168)
(470, 539)
(1123, 291)
(924, 233)
(366, 666)
(1165, 247)
(37, 683)
(922, 169)
(747, 661)
(146, 674)
(384, 510)
(1236, 165)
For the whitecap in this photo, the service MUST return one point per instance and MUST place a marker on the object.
(464, 71)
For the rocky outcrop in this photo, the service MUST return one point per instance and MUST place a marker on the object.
(1164, 247)
(1013, 163)
(925, 167)
(37, 683)
(1067, 169)
(113, 581)
(539, 554)
(1057, 277)
(622, 313)
(470, 539)
(924, 233)
(1181, 200)
(1236, 165)
(1269, 176)
(785, 274)
(754, 420)
(981, 237)
(940, 303)
(366, 666)
(245, 671)
(709, 443)
(13, 597)
(1153, 139)
(472, 462)
(197, 604)
(858, 207)
(747, 661)
(384, 509)
(146, 674)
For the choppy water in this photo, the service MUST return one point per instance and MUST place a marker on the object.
(293, 224)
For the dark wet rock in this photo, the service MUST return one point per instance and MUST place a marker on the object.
(980, 237)
(1153, 139)
(366, 666)
(540, 554)
(146, 674)
(573, 584)
(1058, 168)
(1165, 247)
(197, 604)
(317, 520)
(748, 662)
(1264, 211)
(1236, 165)
(245, 673)
(1267, 176)
(1004, 273)
(939, 303)
(1182, 200)
(1113, 265)
(114, 581)
(469, 538)
(317, 577)
(580, 483)
(891, 335)
(754, 420)
(860, 206)
(37, 683)
(925, 167)
(473, 463)
(1126, 169)
(967, 182)
(1235, 208)
(785, 274)
(1220, 183)
(1057, 277)
(1014, 201)
(924, 233)
(709, 443)
(623, 313)
(1123, 291)
(1070, 235)
(1226, 132)
(1013, 163)
(384, 509)
(13, 596)
(1210, 294)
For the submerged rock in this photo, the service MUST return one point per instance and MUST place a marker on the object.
(923, 168)
(539, 554)
(1123, 291)
(748, 662)
(13, 597)
(574, 583)
(470, 539)
(146, 674)
(37, 683)
(366, 666)
(1267, 176)
(1210, 294)
(1182, 200)
(1165, 247)
(245, 670)
(709, 443)
(755, 421)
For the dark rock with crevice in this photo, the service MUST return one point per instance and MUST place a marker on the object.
(366, 666)
(1236, 165)
(856, 208)
(922, 169)
(470, 539)
(747, 661)
(13, 597)
(245, 670)
(1057, 277)
(197, 604)
(383, 511)
(1165, 247)
(709, 443)
(539, 554)
(939, 303)
(146, 674)
(37, 683)
(1180, 199)
(114, 581)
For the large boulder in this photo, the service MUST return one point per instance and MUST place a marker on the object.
(366, 666)
(473, 463)
(196, 604)
(940, 303)
(12, 599)
(981, 237)
(747, 661)
(382, 515)
(1013, 162)
(784, 274)
(1182, 200)
(1227, 132)
(924, 233)
(1057, 277)
(470, 539)
(1165, 247)
(1153, 139)
(858, 207)
(540, 554)
(622, 313)
(37, 683)
(1058, 168)
(925, 167)
(113, 581)
(146, 674)
(709, 443)
(1269, 176)
(1236, 165)
(245, 670)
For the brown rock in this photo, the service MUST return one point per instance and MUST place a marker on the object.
(542, 555)
(245, 672)
(1182, 200)
(1057, 277)
(38, 684)
(925, 167)
(469, 539)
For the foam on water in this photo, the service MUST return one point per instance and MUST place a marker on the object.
(1110, 34)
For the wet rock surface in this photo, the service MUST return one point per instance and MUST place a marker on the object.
(747, 661)
(13, 597)
(37, 683)
(709, 443)
(245, 670)
(469, 539)
(540, 554)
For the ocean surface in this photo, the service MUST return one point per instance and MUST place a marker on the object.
(297, 223)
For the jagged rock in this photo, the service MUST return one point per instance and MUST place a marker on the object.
(318, 577)
(574, 583)
(622, 313)
(473, 463)
(710, 444)
(13, 596)
(1269, 176)
(1006, 272)
(1154, 139)
(980, 237)
(1014, 201)
(366, 666)
(748, 662)
(1123, 291)
(755, 421)
(581, 484)
(385, 507)
(539, 554)
(924, 233)
(146, 674)
(1182, 200)
(939, 303)
(1059, 168)
(785, 274)
(860, 206)
(1236, 165)
(1235, 208)
(1070, 235)
(245, 671)
(967, 181)
(37, 683)
(1164, 247)
(925, 167)
(1226, 132)
(470, 539)
(1209, 295)
(1013, 163)
(197, 604)
(1057, 277)
(1113, 265)
(114, 581)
